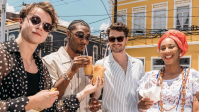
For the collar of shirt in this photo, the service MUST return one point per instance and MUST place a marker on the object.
(111, 59)
(12, 47)
(131, 60)
(63, 55)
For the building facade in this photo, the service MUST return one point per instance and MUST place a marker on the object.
(149, 19)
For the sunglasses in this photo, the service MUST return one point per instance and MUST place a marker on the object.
(37, 20)
(81, 35)
(119, 39)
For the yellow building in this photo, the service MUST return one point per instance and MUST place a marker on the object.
(149, 19)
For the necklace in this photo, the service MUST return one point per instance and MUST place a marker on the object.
(27, 63)
(182, 90)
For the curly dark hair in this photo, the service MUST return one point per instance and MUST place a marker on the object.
(46, 6)
(72, 25)
(119, 26)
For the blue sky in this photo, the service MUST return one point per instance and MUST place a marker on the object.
(74, 8)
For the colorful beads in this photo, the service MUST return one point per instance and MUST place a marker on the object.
(183, 91)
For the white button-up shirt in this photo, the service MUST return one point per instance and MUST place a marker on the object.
(119, 93)
(58, 63)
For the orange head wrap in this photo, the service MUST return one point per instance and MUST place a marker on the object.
(178, 37)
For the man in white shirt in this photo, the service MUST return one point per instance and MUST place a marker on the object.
(121, 74)
(67, 63)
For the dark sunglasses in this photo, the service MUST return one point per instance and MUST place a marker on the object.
(81, 35)
(119, 39)
(37, 20)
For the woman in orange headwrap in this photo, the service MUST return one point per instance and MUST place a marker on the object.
(179, 86)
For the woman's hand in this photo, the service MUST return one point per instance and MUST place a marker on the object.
(43, 99)
(144, 104)
(92, 88)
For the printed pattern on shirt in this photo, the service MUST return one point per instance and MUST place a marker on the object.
(13, 81)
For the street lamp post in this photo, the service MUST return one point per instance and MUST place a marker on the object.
(101, 32)
(115, 12)
(3, 20)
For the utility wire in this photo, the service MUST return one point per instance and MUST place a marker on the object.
(126, 13)
(112, 2)
(15, 3)
(56, 5)
(106, 10)
(163, 10)
(55, 1)
(67, 3)
(130, 16)
(164, 16)
(84, 15)
(98, 20)
(64, 1)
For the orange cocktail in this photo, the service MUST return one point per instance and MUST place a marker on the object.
(88, 70)
(98, 70)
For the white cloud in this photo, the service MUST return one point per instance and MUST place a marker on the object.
(92, 29)
(10, 9)
(104, 26)
(63, 22)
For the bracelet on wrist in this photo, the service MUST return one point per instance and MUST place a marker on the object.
(66, 77)
(80, 97)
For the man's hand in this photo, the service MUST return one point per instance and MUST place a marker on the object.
(145, 104)
(78, 62)
(94, 105)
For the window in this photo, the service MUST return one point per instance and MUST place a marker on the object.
(159, 20)
(182, 18)
(139, 23)
(95, 50)
(121, 16)
(158, 63)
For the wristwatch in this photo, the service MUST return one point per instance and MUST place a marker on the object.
(66, 77)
